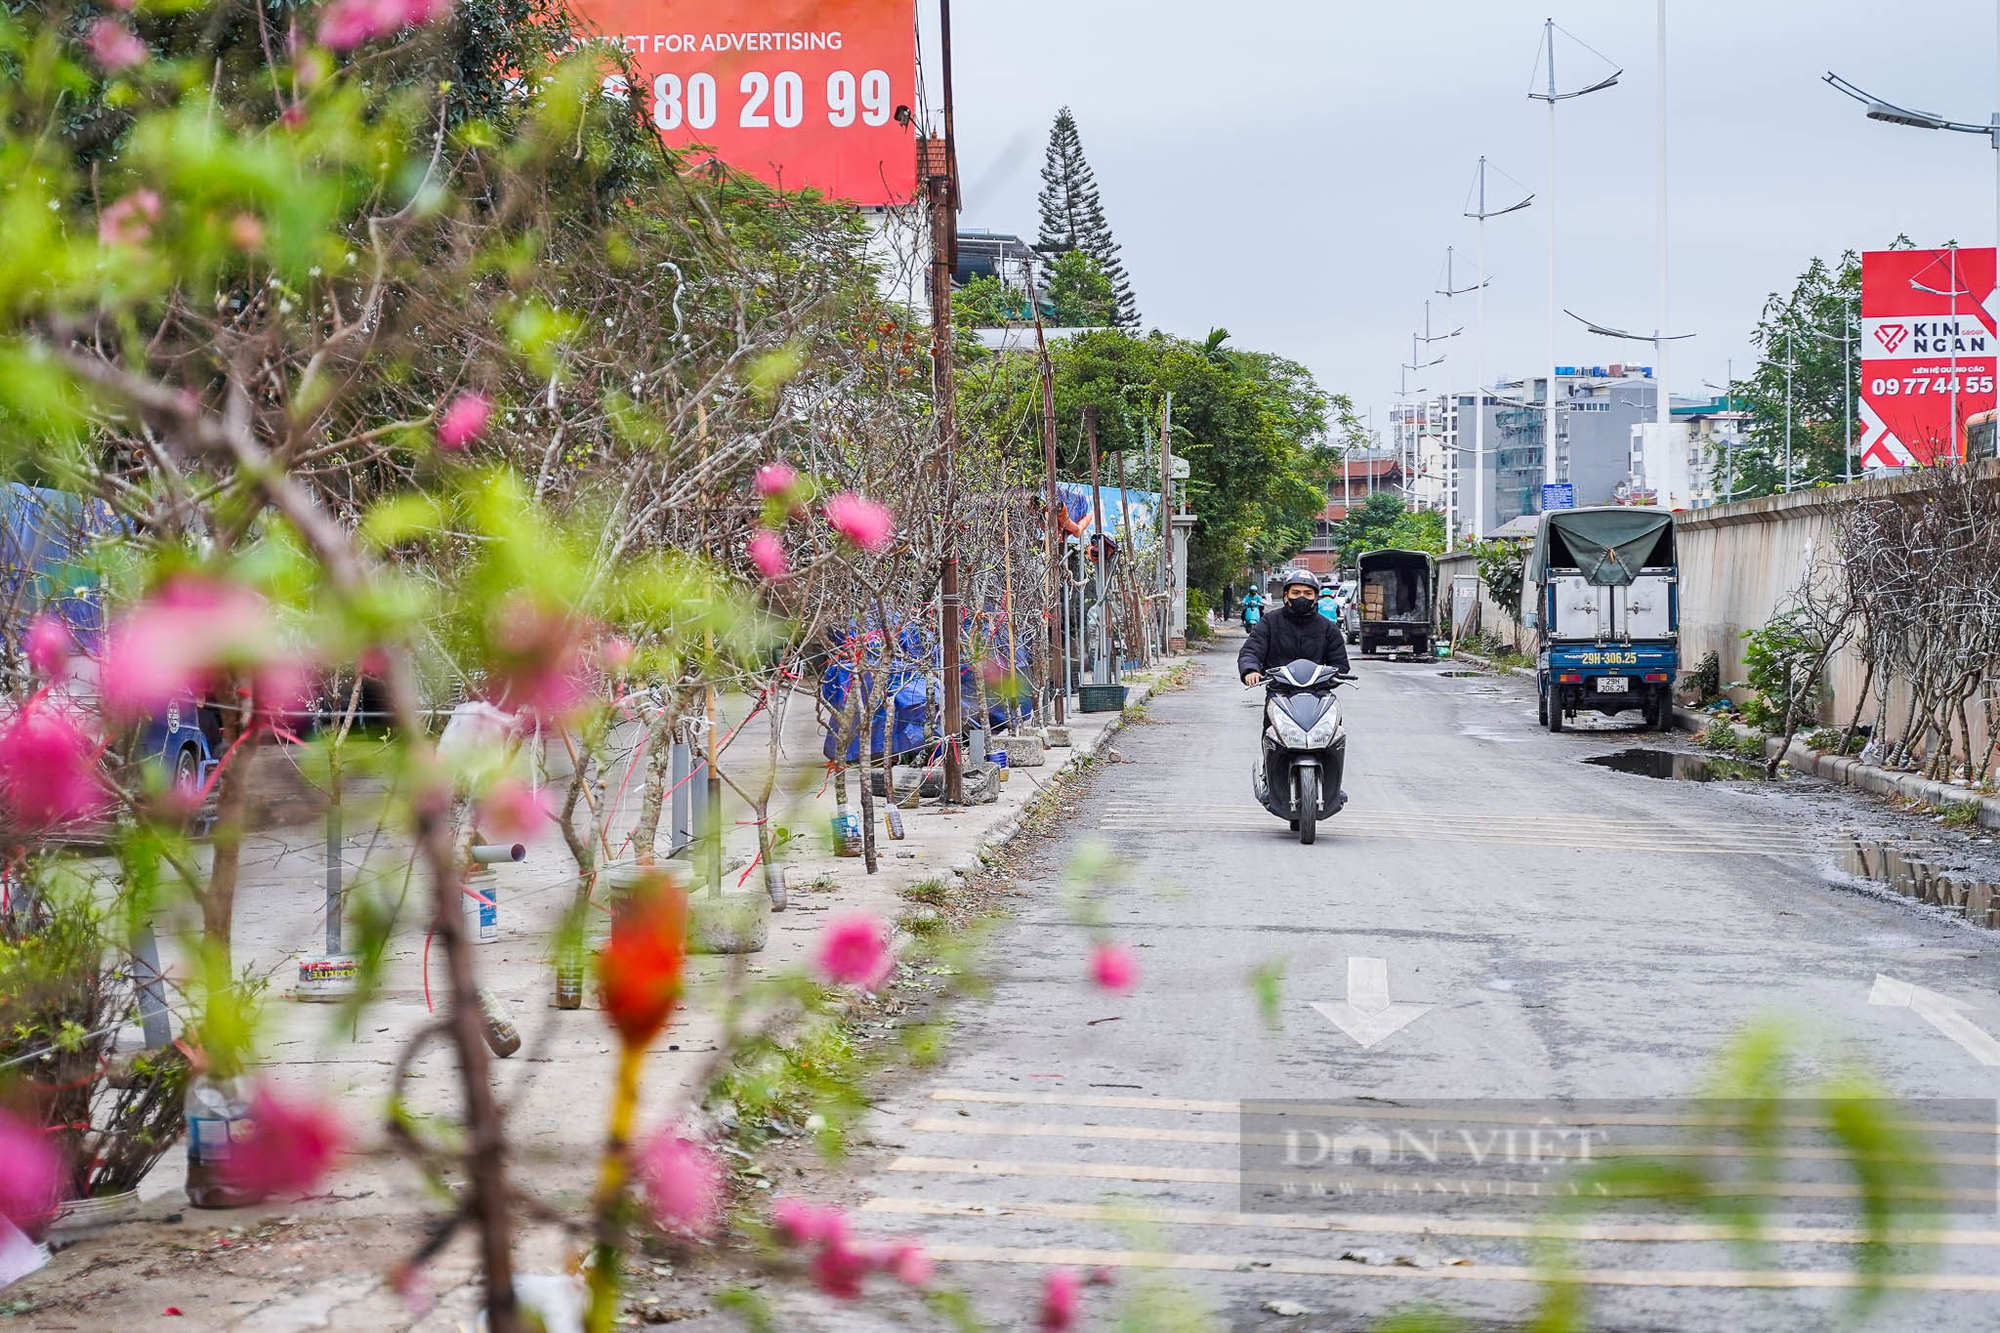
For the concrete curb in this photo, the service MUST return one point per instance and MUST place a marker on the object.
(1486, 664)
(997, 838)
(1851, 772)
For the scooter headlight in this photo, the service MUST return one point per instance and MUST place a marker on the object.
(1323, 731)
(1290, 734)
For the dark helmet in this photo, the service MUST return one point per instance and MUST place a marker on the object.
(1297, 578)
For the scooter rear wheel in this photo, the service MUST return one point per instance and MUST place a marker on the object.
(1308, 805)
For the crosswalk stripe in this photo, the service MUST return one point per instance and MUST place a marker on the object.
(1811, 1279)
(1417, 1225)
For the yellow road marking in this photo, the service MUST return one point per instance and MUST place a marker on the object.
(1596, 1277)
(1416, 1225)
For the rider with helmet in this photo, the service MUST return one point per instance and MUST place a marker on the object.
(1298, 632)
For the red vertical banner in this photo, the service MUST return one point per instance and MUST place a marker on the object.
(1927, 352)
(817, 94)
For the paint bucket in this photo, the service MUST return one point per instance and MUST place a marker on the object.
(482, 909)
(327, 980)
(218, 1119)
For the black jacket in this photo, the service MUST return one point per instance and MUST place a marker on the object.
(1278, 639)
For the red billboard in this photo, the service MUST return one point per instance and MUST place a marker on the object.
(798, 93)
(1927, 352)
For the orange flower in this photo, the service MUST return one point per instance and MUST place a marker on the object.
(639, 976)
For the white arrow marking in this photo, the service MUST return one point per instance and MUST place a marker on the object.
(1941, 1012)
(1366, 1014)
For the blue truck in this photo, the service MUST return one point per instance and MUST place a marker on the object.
(1602, 588)
(46, 565)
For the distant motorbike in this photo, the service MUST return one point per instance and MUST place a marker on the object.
(1298, 771)
(1253, 609)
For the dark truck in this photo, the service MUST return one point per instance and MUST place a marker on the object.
(1602, 588)
(1396, 601)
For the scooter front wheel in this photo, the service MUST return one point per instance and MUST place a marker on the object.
(1308, 783)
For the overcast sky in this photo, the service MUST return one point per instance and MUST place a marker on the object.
(1293, 170)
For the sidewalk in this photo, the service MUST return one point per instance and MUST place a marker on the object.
(557, 1087)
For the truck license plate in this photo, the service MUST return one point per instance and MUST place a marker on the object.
(1395, 634)
(1613, 685)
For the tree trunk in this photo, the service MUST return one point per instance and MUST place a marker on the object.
(652, 796)
(232, 800)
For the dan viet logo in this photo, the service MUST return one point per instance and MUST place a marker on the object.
(1891, 336)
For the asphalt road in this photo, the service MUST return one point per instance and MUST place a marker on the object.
(1547, 929)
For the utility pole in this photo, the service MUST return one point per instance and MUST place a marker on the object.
(1167, 522)
(942, 179)
(1058, 656)
(1102, 673)
(1452, 509)
(1479, 356)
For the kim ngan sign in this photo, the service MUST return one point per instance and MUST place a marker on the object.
(798, 93)
(1927, 352)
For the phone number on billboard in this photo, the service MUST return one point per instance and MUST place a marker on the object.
(772, 100)
(1890, 386)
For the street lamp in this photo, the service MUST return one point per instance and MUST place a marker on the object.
(1893, 114)
(1662, 407)
(1427, 339)
(1552, 96)
(1479, 355)
(1451, 456)
(1849, 335)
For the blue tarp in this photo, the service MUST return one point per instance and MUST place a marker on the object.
(1076, 498)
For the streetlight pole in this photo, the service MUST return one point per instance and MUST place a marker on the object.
(1451, 507)
(1479, 356)
(1551, 96)
(1665, 415)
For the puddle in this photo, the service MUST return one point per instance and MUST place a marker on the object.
(1680, 767)
(1461, 673)
(1905, 870)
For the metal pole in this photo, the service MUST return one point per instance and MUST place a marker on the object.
(1665, 407)
(1847, 384)
(1788, 406)
(1549, 423)
(1479, 379)
(154, 1021)
(1101, 672)
(333, 906)
(1450, 421)
(1167, 521)
(1058, 656)
(944, 242)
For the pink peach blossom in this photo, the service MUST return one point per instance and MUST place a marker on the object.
(803, 1223)
(114, 46)
(464, 421)
(512, 811)
(860, 521)
(775, 480)
(536, 658)
(181, 636)
(618, 652)
(1114, 968)
(838, 1269)
(48, 768)
(31, 1175)
(854, 951)
(1062, 1294)
(47, 645)
(246, 232)
(768, 554)
(291, 1146)
(349, 23)
(910, 1266)
(129, 221)
(683, 1184)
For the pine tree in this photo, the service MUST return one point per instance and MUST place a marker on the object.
(1073, 215)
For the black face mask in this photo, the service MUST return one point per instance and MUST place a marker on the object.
(1301, 608)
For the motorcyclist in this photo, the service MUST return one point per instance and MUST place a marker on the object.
(1298, 632)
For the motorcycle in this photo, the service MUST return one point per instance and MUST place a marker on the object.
(1253, 609)
(1297, 777)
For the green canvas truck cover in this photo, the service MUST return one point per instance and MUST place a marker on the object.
(1610, 544)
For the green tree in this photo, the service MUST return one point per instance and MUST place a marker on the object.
(1383, 522)
(1078, 294)
(1252, 426)
(1073, 216)
(1814, 313)
(987, 303)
